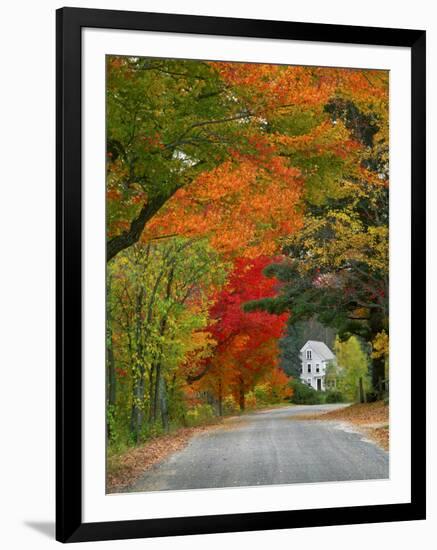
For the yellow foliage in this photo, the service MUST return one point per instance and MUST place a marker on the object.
(380, 345)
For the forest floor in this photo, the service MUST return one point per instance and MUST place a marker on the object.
(370, 419)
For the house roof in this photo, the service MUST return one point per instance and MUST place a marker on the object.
(320, 348)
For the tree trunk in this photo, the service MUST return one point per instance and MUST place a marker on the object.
(151, 394)
(133, 234)
(137, 415)
(111, 381)
(220, 398)
(156, 393)
(163, 404)
(137, 410)
(242, 401)
(378, 322)
(111, 391)
(362, 396)
(378, 370)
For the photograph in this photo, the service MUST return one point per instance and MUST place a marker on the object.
(247, 274)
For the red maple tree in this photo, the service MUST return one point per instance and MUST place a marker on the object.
(246, 341)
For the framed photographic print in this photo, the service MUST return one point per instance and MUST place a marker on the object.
(240, 274)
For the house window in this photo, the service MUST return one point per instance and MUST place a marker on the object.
(309, 354)
(309, 367)
(309, 381)
(317, 367)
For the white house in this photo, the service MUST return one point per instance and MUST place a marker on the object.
(315, 356)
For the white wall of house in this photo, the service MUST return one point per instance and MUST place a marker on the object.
(313, 367)
(313, 372)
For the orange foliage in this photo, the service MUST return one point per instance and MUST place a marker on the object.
(243, 207)
(277, 385)
(266, 87)
(247, 203)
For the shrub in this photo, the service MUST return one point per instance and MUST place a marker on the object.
(151, 430)
(250, 401)
(200, 414)
(262, 394)
(230, 406)
(177, 410)
(304, 394)
(277, 386)
(334, 396)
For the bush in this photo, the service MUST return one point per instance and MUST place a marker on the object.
(304, 394)
(230, 406)
(334, 396)
(200, 414)
(262, 394)
(177, 410)
(250, 401)
(150, 431)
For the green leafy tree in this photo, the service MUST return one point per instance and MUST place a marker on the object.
(159, 301)
(353, 369)
(168, 122)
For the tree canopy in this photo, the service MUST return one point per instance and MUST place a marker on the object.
(247, 206)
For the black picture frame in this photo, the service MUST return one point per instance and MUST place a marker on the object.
(69, 525)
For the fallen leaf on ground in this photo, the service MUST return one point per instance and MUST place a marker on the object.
(372, 418)
(125, 468)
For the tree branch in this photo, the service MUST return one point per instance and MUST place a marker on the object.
(131, 236)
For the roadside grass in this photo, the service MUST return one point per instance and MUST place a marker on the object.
(371, 419)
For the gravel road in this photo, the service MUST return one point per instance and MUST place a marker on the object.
(268, 448)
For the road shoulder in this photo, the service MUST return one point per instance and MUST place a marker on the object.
(369, 419)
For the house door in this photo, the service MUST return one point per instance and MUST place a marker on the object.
(319, 384)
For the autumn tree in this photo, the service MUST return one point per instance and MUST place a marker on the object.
(336, 271)
(169, 121)
(274, 387)
(337, 263)
(159, 301)
(241, 199)
(246, 342)
(173, 123)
